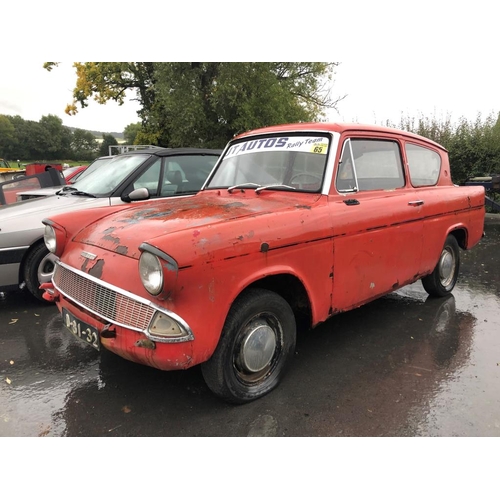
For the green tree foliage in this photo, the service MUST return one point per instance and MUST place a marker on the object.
(130, 133)
(7, 135)
(57, 137)
(107, 140)
(205, 104)
(45, 140)
(208, 103)
(84, 144)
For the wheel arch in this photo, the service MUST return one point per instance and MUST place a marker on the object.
(461, 235)
(292, 289)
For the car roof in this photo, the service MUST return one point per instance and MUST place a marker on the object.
(172, 151)
(334, 127)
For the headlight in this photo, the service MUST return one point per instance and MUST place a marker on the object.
(49, 236)
(151, 272)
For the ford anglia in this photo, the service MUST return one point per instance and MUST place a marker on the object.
(295, 222)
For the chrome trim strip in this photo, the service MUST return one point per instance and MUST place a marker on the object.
(14, 248)
(189, 334)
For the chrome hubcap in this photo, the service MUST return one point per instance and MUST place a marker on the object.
(446, 267)
(258, 346)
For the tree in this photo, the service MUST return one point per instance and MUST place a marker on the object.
(84, 144)
(7, 135)
(130, 132)
(205, 104)
(107, 140)
(57, 138)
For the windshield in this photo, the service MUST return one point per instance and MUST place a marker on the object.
(103, 181)
(97, 163)
(291, 162)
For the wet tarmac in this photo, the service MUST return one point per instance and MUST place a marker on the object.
(404, 365)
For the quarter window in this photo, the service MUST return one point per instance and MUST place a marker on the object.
(424, 165)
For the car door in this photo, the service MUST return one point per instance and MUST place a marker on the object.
(377, 227)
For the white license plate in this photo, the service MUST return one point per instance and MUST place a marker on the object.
(81, 330)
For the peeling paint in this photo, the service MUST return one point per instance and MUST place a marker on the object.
(122, 250)
(96, 270)
(113, 239)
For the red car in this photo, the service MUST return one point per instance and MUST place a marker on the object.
(300, 221)
(71, 174)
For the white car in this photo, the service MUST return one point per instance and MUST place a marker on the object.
(25, 261)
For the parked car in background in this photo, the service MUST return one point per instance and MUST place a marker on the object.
(51, 179)
(298, 221)
(39, 193)
(71, 174)
(149, 173)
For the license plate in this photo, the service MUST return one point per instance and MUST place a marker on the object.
(81, 330)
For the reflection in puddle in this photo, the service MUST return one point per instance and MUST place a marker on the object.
(44, 366)
(466, 402)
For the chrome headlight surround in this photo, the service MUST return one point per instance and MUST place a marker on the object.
(54, 237)
(157, 270)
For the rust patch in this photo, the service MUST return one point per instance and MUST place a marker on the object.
(114, 240)
(122, 249)
(307, 207)
(234, 204)
(96, 270)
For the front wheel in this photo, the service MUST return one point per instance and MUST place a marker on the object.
(255, 347)
(38, 269)
(444, 277)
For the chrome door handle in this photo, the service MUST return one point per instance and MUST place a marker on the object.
(416, 203)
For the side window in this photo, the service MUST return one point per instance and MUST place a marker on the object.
(368, 164)
(150, 179)
(173, 178)
(424, 165)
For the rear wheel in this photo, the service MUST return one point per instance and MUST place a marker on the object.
(38, 269)
(256, 344)
(444, 277)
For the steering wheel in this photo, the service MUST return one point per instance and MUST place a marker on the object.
(308, 179)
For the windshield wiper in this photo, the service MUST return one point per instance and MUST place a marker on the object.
(83, 193)
(275, 186)
(243, 185)
(66, 189)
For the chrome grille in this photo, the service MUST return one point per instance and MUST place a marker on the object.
(101, 299)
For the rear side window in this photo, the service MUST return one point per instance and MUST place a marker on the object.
(424, 165)
(368, 165)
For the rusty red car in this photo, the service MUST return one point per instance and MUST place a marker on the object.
(295, 222)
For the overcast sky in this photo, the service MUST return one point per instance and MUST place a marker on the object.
(434, 58)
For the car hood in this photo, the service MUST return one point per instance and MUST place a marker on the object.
(41, 192)
(28, 214)
(123, 231)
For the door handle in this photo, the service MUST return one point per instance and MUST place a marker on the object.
(416, 203)
(351, 201)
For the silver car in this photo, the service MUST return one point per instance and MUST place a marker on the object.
(25, 261)
(47, 191)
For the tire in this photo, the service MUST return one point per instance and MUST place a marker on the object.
(255, 347)
(444, 277)
(38, 269)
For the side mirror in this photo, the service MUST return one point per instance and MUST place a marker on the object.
(138, 194)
